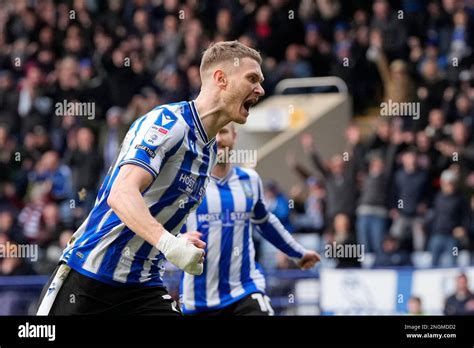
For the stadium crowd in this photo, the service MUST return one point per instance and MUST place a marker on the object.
(407, 187)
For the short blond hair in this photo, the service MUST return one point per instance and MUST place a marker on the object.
(227, 51)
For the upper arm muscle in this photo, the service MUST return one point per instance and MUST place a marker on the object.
(134, 176)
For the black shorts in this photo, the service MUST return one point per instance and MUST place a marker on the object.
(81, 295)
(253, 304)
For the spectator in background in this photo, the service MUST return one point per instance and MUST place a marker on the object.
(33, 106)
(51, 223)
(340, 236)
(458, 149)
(373, 206)
(297, 195)
(339, 180)
(344, 64)
(317, 51)
(430, 90)
(450, 220)
(54, 252)
(12, 302)
(121, 82)
(428, 156)
(224, 25)
(391, 255)
(140, 104)
(460, 37)
(86, 166)
(263, 31)
(364, 73)
(7, 149)
(293, 66)
(171, 84)
(398, 85)
(14, 266)
(436, 129)
(462, 301)
(9, 226)
(49, 170)
(380, 139)
(470, 231)
(464, 111)
(68, 81)
(278, 204)
(311, 220)
(9, 102)
(194, 79)
(392, 31)
(59, 135)
(30, 216)
(112, 135)
(410, 200)
(169, 41)
(414, 306)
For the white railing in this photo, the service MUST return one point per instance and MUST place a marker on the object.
(310, 82)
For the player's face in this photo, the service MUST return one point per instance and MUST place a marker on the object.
(244, 89)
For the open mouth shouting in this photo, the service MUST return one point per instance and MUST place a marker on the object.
(248, 103)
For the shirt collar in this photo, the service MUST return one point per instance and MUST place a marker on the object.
(198, 122)
(225, 178)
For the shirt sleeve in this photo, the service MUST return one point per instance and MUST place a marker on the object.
(268, 225)
(150, 138)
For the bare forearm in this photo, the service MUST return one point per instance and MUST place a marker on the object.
(131, 208)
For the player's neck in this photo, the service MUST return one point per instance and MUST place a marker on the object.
(220, 170)
(212, 114)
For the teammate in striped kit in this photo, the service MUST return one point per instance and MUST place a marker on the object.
(114, 262)
(232, 208)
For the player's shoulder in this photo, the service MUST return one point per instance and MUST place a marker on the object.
(246, 173)
(168, 118)
(169, 115)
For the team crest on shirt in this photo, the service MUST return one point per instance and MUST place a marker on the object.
(161, 128)
(166, 119)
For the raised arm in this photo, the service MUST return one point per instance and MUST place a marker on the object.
(376, 54)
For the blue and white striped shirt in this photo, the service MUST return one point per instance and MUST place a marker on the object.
(171, 144)
(233, 207)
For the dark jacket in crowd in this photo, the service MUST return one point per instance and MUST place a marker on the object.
(374, 190)
(411, 188)
(456, 305)
(341, 190)
(450, 211)
(86, 167)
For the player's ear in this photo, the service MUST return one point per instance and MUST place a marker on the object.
(220, 78)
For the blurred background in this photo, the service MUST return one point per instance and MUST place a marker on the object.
(338, 170)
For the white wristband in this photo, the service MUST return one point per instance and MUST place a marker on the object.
(181, 253)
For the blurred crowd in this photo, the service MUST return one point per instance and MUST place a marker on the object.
(407, 187)
(404, 191)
